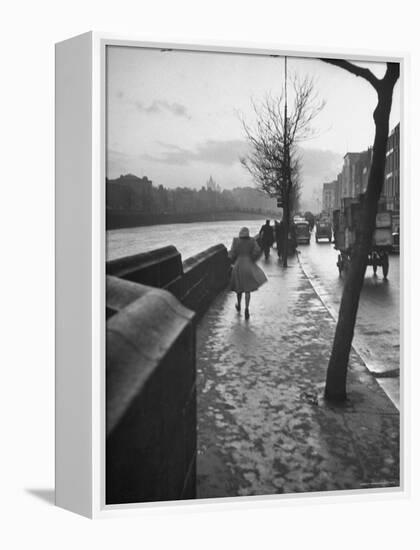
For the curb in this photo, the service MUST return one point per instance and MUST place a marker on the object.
(378, 376)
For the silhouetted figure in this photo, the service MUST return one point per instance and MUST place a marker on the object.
(279, 234)
(246, 275)
(266, 238)
(292, 241)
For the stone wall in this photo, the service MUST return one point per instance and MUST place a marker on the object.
(195, 282)
(155, 268)
(150, 395)
(150, 370)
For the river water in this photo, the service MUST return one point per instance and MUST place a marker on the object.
(188, 238)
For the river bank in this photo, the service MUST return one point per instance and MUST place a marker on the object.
(120, 219)
(188, 238)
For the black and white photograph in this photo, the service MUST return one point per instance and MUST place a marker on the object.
(252, 274)
(210, 262)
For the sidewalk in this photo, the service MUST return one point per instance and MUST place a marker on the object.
(263, 425)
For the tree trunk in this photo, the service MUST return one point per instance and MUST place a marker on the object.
(335, 388)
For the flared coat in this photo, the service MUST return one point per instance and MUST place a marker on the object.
(246, 275)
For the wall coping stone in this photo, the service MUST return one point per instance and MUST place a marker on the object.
(138, 338)
(125, 265)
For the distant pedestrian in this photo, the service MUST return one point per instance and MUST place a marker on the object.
(266, 238)
(279, 234)
(293, 237)
(246, 275)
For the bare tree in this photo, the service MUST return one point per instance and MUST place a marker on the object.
(273, 160)
(335, 388)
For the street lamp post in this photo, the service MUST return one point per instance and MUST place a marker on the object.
(286, 175)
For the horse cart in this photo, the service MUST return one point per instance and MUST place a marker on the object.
(345, 223)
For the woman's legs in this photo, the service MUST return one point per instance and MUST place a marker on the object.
(247, 300)
(239, 298)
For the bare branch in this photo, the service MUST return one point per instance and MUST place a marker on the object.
(273, 161)
(356, 70)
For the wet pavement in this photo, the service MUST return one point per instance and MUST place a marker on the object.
(377, 330)
(263, 425)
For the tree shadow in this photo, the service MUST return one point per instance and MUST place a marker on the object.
(47, 495)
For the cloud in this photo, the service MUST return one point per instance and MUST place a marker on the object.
(161, 106)
(320, 164)
(223, 152)
(187, 165)
(118, 163)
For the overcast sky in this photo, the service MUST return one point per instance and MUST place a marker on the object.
(175, 116)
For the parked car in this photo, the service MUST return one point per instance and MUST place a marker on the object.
(323, 230)
(302, 232)
(395, 243)
(345, 225)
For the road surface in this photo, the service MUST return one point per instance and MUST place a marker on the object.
(377, 334)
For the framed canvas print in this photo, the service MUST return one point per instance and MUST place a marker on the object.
(230, 244)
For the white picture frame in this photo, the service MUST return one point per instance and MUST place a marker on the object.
(80, 271)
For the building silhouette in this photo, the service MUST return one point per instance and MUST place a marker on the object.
(352, 181)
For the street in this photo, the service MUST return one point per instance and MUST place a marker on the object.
(377, 327)
(264, 426)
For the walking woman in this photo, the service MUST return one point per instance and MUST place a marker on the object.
(246, 275)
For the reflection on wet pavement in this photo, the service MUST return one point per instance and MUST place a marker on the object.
(263, 426)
